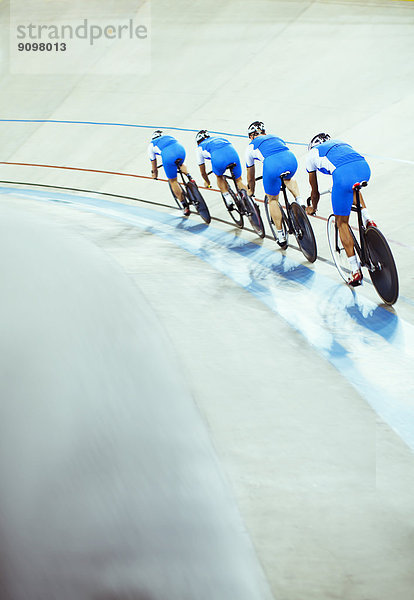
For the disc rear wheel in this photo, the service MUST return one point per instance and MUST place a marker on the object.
(198, 201)
(303, 232)
(253, 214)
(234, 211)
(382, 269)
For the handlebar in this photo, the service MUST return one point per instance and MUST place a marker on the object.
(328, 191)
(308, 200)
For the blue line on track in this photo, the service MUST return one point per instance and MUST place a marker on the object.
(238, 135)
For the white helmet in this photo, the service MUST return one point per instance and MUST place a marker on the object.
(256, 127)
(202, 135)
(157, 133)
(318, 139)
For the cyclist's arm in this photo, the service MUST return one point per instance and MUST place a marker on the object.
(249, 157)
(204, 174)
(153, 158)
(251, 179)
(313, 180)
(154, 168)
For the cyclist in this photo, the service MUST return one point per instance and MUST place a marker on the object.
(222, 154)
(277, 159)
(347, 167)
(170, 151)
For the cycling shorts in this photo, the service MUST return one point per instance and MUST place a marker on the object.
(223, 157)
(343, 179)
(273, 166)
(169, 155)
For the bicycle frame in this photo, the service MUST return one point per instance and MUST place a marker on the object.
(287, 204)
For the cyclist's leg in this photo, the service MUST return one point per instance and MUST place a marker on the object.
(237, 171)
(176, 188)
(221, 159)
(342, 223)
(275, 211)
(170, 155)
(291, 164)
(272, 184)
(342, 199)
(218, 166)
(362, 172)
(222, 184)
(241, 186)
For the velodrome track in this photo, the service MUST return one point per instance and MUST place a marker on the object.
(193, 412)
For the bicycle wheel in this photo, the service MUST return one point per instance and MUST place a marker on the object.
(235, 211)
(382, 269)
(180, 206)
(337, 250)
(253, 213)
(285, 227)
(198, 201)
(303, 232)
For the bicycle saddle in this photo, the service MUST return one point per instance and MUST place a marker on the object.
(358, 186)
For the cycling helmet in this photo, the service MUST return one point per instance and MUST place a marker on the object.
(318, 139)
(256, 127)
(158, 133)
(202, 135)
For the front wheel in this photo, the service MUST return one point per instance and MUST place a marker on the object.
(339, 255)
(382, 269)
(198, 201)
(253, 213)
(285, 226)
(303, 232)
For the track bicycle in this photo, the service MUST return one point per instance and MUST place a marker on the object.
(191, 194)
(294, 221)
(242, 204)
(373, 251)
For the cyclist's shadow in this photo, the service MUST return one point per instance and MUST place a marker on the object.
(381, 320)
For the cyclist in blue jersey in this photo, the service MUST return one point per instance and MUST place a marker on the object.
(170, 151)
(347, 167)
(277, 159)
(222, 154)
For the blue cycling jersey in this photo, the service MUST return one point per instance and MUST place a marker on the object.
(221, 153)
(213, 143)
(263, 146)
(330, 155)
(269, 144)
(163, 141)
(170, 151)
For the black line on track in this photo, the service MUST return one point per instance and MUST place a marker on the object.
(217, 219)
